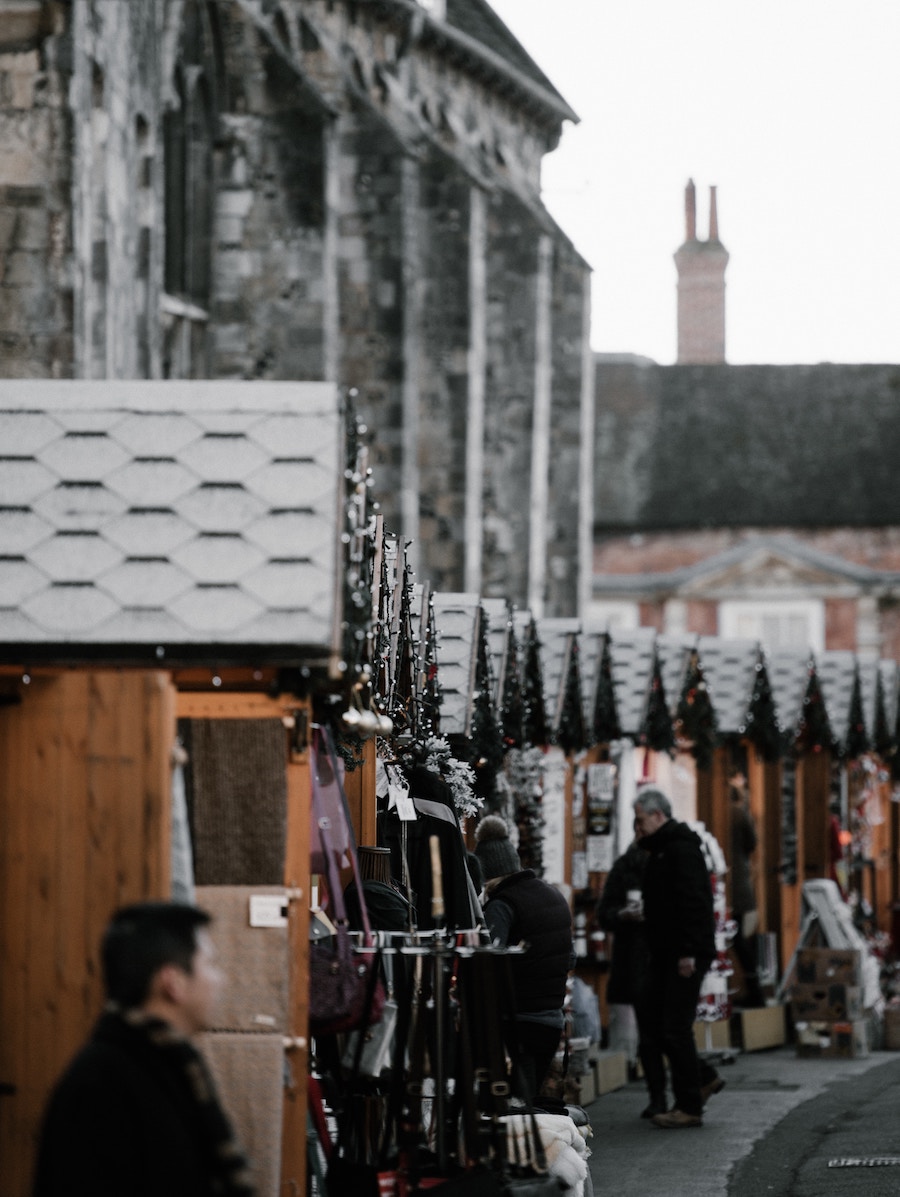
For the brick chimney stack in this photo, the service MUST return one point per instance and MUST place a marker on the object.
(701, 287)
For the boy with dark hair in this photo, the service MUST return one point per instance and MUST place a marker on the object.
(136, 1111)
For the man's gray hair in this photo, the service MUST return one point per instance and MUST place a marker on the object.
(651, 799)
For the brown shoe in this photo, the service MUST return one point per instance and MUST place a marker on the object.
(677, 1120)
(711, 1088)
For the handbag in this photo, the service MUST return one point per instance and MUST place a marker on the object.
(338, 974)
(376, 1054)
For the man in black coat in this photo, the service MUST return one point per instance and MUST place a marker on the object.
(680, 925)
(520, 906)
(136, 1111)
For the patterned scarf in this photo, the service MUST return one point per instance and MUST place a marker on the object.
(230, 1174)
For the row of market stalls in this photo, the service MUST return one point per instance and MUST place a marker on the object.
(815, 735)
(194, 577)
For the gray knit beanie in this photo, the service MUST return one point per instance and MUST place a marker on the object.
(494, 850)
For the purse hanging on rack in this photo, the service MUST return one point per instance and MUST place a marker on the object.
(338, 974)
(378, 1040)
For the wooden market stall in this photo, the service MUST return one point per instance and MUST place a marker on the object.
(173, 569)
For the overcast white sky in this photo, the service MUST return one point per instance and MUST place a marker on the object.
(790, 107)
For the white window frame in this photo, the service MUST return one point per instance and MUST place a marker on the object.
(743, 619)
(613, 615)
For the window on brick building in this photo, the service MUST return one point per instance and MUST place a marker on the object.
(189, 132)
(778, 623)
(612, 615)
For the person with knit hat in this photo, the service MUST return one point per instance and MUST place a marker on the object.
(519, 907)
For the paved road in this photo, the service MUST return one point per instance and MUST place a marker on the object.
(771, 1132)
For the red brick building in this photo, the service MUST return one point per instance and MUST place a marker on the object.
(748, 501)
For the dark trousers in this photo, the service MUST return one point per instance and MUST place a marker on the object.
(669, 1009)
(537, 1045)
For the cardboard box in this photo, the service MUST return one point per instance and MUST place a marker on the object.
(757, 1029)
(587, 1086)
(827, 966)
(833, 1039)
(892, 1028)
(712, 1034)
(834, 1002)
(610, 1072)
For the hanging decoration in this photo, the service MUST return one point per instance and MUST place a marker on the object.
(605, 726)
(570, 735)
(356, 537)
(484, 734)
(814, 732)
(524, 772)
(533, 689)
(657, 732)
(762, 727)
(512, 699)
(857, 742)
(429, 686)
(695, 718)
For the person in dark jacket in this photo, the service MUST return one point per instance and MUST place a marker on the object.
(680, 925)
(519, 906)
(620, 911)
(743, 897)
(136, 1111)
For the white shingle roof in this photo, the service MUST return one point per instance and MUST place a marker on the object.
(789, 676)
(836, 670)
(632, 668)
(729, 667)
(171, 514)
(456, 617)
(556, 636)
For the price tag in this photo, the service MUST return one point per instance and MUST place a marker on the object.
(400, 800)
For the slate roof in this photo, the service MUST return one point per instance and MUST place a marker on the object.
(456, 617)
(789, 678)
(729, 668)
(477, 20)
(632, 654)
(169, 516)
(736, 446)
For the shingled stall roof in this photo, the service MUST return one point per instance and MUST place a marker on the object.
(674, 654)
(737, 446)
(838, 676)
(499, 630)
(730, 668)
(557, 637)
(789, 671)
(170, 521)
(633, 655)
(456, 617)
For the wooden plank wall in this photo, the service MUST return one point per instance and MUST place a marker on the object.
(296, 714)
(85, 808)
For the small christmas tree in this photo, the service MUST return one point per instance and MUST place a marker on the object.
(570, 735)
(695, 717)
(605, 725)
(814, 733)
(657, 732)
(857, 742)
(533, 690)
(512, 712)
(485, 738)
(762, 727)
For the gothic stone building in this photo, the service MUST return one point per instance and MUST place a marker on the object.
(746, 501)
(342, 190)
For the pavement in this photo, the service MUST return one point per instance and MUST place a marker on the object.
(783, 1126)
